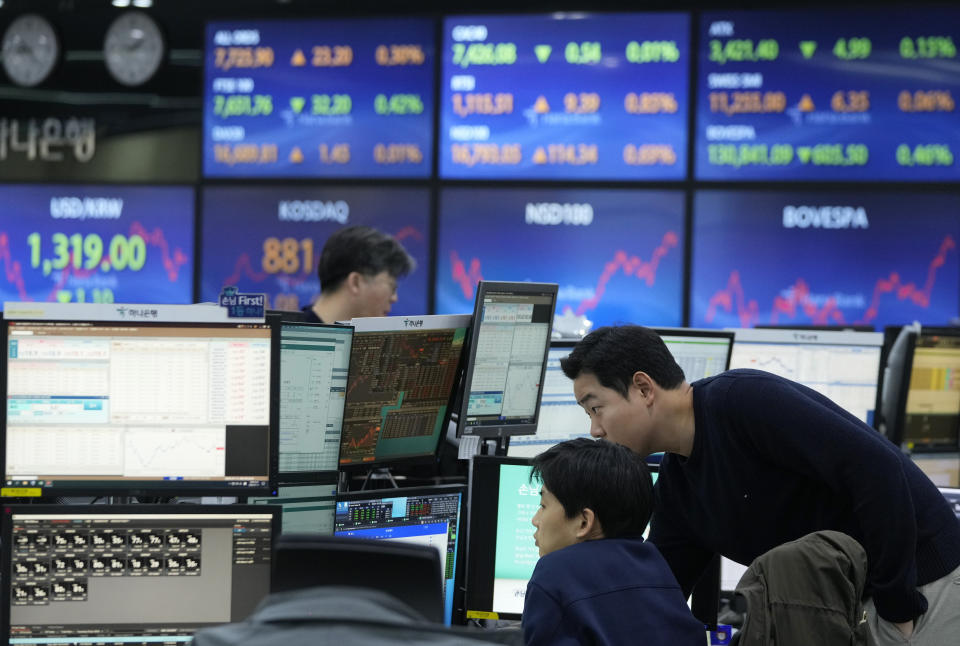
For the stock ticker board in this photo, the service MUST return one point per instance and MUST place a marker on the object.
(565, 96)
(617, 255)
(96, 244)
(839, 95)
(319, 98)
(824, 258)
(268, 239)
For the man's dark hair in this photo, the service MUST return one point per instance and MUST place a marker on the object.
(614, 354)
(362, 249)
(608, 478)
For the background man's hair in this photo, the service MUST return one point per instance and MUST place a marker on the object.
(614, 354)
(608, 478)
(362, 249)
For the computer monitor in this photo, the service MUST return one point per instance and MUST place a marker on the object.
(923, 413)
(313, 382)
(423, 515)
(307, 508)
(138, 400)
(98, 574)
(700, 353)
(843, 366)
(401, 385)
(953, 497)
(501, 552)
(508, 358)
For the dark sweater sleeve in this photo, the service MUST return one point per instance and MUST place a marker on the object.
(542, 617)
(686, 557)
(813, 437)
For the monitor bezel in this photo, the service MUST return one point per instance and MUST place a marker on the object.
(296, 319)
(153, 487)
(396, 324)
(503, 430)
(6, 529)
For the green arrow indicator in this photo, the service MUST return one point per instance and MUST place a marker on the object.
(297, 102)
(542, 52)
(808, 47)
(803, 153)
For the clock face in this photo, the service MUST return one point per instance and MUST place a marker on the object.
(133, 48)
(30, 50)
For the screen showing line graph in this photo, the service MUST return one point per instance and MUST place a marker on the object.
(269, 239)
(403, 372)
(129, 406)
(842, 365)
(96, 244)
(617, 255)
(824, 258)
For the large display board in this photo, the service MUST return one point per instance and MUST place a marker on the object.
(829, 95)
(617, 255)
(565, 96)
(319, 98)
(96, 244)
(824, 258)
(269, 239)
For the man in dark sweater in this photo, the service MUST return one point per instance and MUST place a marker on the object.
(359, 268)
(754, 460)
(597, 580)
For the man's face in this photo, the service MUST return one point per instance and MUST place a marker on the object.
(554, 530)
(624, 420)
(377, 294)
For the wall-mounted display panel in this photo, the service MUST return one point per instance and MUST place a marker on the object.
(824, 258)
(319, 98)
(829, 95)
(268, 239)
(565, 96)
(617, 255)
(96, 244)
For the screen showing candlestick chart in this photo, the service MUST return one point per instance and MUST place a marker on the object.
(319, 98)
(566, 95)
(838, 95)
(617, 255)
(96, 244)
(269, 239)
(824, 258)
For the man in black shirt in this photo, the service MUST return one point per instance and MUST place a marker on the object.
(358, 270)
(754, 460)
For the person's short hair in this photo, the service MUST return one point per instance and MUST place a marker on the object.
(603, 476)
(362, 249)
(614, 353)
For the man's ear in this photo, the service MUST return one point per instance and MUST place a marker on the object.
(644, 385)
(589, 527)
(352, 281)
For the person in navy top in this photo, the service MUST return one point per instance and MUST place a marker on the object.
(754, 461)
(358, 269)
(597, 580)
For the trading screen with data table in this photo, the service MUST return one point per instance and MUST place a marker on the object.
(125, 407)
(313, 382)
(401, 386)
(92, 575)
